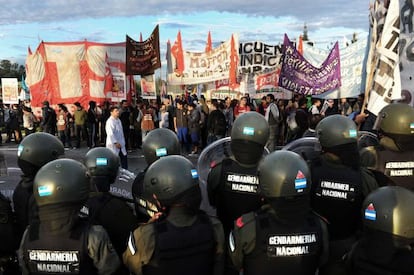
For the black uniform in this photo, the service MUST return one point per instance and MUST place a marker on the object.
(114, 215)
(375, 254)
(181, 243)
(337, 194)
(8, 238)
(232, 189)
(390, 167)
(81, 249)
(263, 244)
(25, 207)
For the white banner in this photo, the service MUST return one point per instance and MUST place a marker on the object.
(148, 90)
(205, 67)
(386, 84)
(258, 57)
(10, 90)
(351, 59)
(407, 51)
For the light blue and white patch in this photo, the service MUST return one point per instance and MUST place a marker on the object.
(101, 161)
(248, 131)
(161, 152)
(44, 190)
(194, 173)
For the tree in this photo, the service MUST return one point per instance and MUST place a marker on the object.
(9, 69)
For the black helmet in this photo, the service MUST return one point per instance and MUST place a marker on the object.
(103, 167)
(61, 181)
(336, 130)
(396, 119)
(397, 122)
(36, 150)
(158, 143)
(249, 135)
(284, 174)
(172, 179)
(389, 209)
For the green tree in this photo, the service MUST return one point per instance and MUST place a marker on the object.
(9, 69)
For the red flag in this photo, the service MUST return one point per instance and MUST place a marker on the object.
(140, 37)
(300, 45)
(209, 46)
(177, 52)
(108, 76)
(234, 60)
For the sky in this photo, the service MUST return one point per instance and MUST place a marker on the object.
(25, 23)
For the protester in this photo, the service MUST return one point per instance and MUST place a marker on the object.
(115, 136)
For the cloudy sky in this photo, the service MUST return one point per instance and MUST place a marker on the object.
(25, 23)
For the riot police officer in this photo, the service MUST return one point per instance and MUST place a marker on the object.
(284, 236)
(33, 152)
(8, 239)
(157, 143)
(339, 184)
(386, 244)
(232, 183)
(60, 242)
(183, 240)
(392, 160)
(103, 208)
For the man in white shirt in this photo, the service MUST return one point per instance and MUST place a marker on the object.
(273, 119)
(115, 139)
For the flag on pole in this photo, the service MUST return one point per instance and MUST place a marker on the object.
(234, 61)
(177, 52)
(300, 45)
(384, 82)
(209, 45)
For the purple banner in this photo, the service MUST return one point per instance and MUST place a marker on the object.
(299, 76)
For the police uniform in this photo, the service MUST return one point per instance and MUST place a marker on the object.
(390, 167)
(181, 243)
(60, 242)
(337, 194)
(24, 203)
(386, 243)
(82, 250)
(114, 215)
(392, 161)
(233, 189)
(261, 244)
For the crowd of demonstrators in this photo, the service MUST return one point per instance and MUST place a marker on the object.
(345, 211)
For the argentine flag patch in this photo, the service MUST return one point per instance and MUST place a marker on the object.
(300, 180)
(353, 133)
(248, 131)
(370, 213)
(161, 152)
(194, 173)
(44, 190)
(101, 161)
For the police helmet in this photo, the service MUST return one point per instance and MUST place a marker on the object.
(172, 179)
(389, 209)
(158, 143)
(336, 130)
(397, 119)
(102, 162)
(36, 150)
(249, 135)
(284, 174)
(61, 181)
